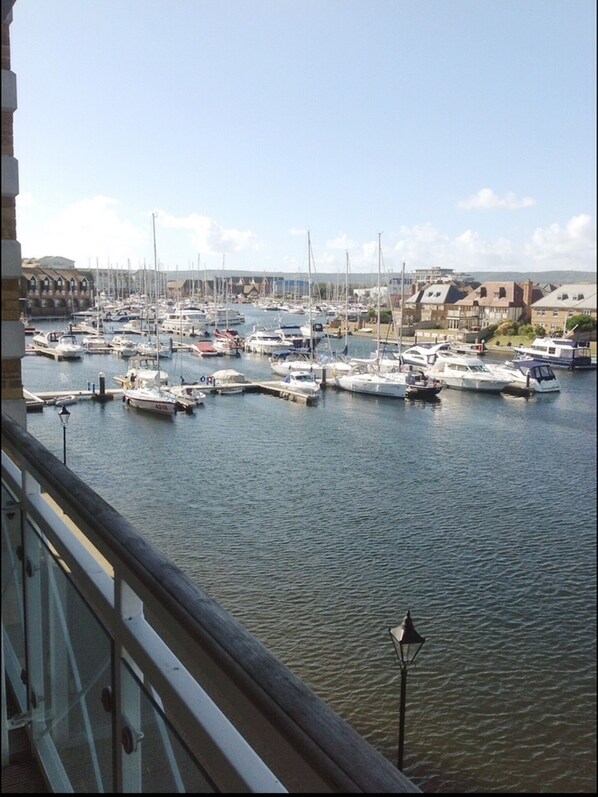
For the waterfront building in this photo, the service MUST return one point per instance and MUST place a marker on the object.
(554, 310)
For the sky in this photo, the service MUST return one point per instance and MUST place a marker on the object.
(457, 133)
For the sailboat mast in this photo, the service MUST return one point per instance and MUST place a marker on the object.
(378, 325)
(401, 313)
(156, 311)
(347, 304)
(311, 332)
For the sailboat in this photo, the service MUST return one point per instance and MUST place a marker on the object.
(366, 376)
(295, 361)
(303, 374)
(149, 393)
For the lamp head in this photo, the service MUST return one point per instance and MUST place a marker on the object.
(406, 640)
(64, 416)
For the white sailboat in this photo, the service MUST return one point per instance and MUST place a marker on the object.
(151, 396)
(366, 376)
(303, 375)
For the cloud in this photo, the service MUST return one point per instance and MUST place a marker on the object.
(572, 246)
(83, 231)
(209, 237)
(564, 247)
(341, 242)
(486, 199)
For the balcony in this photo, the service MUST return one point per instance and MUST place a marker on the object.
(129, 678)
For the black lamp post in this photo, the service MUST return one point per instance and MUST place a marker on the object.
(407, 643)
(64, 416)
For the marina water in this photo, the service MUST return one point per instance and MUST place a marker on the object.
(318, 527)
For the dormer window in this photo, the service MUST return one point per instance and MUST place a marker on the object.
(32, 284)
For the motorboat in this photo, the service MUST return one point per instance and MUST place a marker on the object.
(228, 381)
(186, 322)
(527, 376)
(424, 355)
(303, 382)
(192, 392)
(96, 344)
(461, 347)
(366, 378)
(228, 341)
(69, 348)
(203, 348)
(135, 326)
(123, 346)
(460, 372)
(150, 348)
(66, 401)
(420, 386)
(225, 316)
(264, 341)
(63, 345)
(144, 372)
(559, 352)
(155, 399)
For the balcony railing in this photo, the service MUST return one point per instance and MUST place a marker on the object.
(130, 678)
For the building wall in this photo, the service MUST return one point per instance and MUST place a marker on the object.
(13, 336)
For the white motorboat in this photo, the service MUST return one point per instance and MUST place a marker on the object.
(69, 348)
(152, 399)
(227, 381)
(228, 341)
(150, 348)
(365, 378)
(424, 355)
(186, 322)
(264, 341)
(460, 372)
(123, 346)
(559, 352)
(144, 372)
(192, 392)
(303, 382)
(96, 344)
(64, 345)
(527, 376)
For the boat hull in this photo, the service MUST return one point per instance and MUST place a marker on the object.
(142, 400)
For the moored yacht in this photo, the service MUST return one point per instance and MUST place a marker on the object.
(467, 373)
(559, 352)
(527, 376)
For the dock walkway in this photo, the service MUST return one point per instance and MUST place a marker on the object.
(37, 401)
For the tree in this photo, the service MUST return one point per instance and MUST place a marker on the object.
(583, 323)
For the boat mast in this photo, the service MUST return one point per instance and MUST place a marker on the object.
(401, 313)
(347, 305)
(156, 273)
(311, 332)
(378, 354)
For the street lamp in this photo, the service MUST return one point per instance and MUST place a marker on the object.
(64, 416)
(407, 644)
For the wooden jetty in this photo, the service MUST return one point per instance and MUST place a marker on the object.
(48, 351)
(36, 402)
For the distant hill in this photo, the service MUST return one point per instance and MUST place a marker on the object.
(540, 277)
(367, 279)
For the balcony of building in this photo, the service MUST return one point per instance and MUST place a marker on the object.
(126, 677)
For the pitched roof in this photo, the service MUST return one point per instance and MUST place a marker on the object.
(439, 293)
(574, 296)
